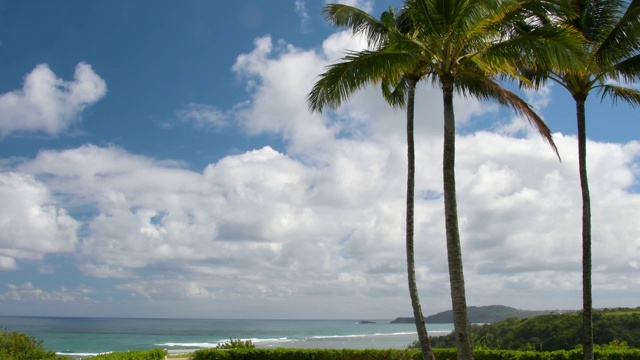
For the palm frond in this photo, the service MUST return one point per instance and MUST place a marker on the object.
(485, 88)
(596, 18)
(550, 47)
(356, 70)
(411, 46)
(616, 92)
(530, 78)
(623, 37)
(395, 92)
(543, 12)
(627, 70)
(359, 21)
(485, 18)
(426, 18)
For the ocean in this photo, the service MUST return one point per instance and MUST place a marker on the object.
(82, 337)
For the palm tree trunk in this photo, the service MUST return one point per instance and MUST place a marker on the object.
(587, 299)
(454, 252)
(423, 337)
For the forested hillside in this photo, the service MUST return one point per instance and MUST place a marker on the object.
(477, 315)
(554, 331)
(485, 314)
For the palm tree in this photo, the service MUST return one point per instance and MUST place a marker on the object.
(399, 78)
(461, 45)
(466, 45)
(611, 54)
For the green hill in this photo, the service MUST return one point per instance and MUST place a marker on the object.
(484, 314)
(554, 331)
(477, 315)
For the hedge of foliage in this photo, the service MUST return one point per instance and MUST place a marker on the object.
(533, 333)
(18, 346)
(236, 344)
(155, 354)
(305, 354)
(393, 354)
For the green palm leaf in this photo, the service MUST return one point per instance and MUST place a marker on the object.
(356, 70)
(615, 92)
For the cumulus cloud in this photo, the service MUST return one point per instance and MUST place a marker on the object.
(48, 104)
(322, 222)
(31, 224)
(265, 67)
(262, 225)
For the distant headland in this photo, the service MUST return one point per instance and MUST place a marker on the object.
(478, 315)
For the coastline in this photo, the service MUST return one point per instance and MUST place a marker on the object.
(81, 337)
(361, 342)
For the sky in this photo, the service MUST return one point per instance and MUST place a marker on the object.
(158, 159)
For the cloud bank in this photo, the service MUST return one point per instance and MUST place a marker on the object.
(321, 225)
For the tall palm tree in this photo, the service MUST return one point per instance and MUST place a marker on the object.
(468, 46)
(611, 55)
(463, 46)
(399, 76)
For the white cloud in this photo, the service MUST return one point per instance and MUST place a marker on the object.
(7, 263)
(322, 222)
(285, 74)
(47, 103)
(27, 292)
(541, 98)
(203, 116)
(301, 10)
(261, 225)
(31, 224)
(365, 5)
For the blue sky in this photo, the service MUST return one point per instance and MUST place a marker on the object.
(157, 159)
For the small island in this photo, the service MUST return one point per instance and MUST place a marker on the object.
(366, 322)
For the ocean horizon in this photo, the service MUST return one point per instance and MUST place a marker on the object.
(87, 336)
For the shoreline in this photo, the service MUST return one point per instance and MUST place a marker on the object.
(81, 337)
(378, 341)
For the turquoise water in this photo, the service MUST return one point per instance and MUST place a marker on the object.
(87, 336)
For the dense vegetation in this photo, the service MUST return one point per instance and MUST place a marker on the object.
(485, 314)
(18, 346)
(554, 331)
(236, 344)
(395, 354)
(155, 354)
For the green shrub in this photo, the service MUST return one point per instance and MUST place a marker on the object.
(615, 344)
(396, 354)
(155, 354)
(19, 346)
(630, 354)
(306, 354)
(236, 344)
(552, 332)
